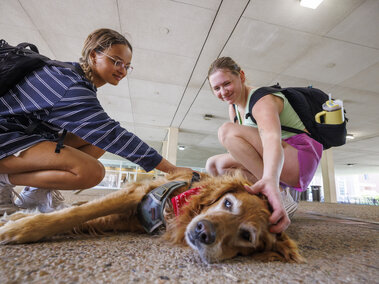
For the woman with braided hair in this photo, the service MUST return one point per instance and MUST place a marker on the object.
(60, 100)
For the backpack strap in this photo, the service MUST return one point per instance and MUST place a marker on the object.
(237, 117)
(195, 178)
(60, 142)
(257, 95)
(30, 45)
(48, 61)
(66, 65)
(34, 126)
(150, 211)
(260, 93)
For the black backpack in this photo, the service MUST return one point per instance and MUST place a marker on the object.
(18, 61)
(306, 102)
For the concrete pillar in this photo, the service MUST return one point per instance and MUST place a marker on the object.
(328, 177)
(164, 150)
(170, 146)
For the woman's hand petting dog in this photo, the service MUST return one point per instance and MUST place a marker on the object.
(279, 219)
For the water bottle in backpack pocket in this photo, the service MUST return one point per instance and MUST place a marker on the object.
(323, 117)
(332, 112)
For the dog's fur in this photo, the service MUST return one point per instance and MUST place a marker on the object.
(223, 220)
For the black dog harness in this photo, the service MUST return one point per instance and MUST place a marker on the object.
(150, 209)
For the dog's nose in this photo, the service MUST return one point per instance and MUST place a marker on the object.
(205, 232)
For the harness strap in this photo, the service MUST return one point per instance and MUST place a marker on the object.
(60, 142)
(195, 178)
(150, 209)
(31, 129)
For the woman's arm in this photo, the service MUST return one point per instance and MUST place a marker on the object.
(266, 112)
(167, 167)
(80, 113)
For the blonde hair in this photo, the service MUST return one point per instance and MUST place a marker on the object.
(99, 40)
(225, 63)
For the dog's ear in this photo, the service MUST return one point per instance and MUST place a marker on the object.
(263, 197)
(288, 249)
(282, 249)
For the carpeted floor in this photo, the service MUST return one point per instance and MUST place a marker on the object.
(341, 248)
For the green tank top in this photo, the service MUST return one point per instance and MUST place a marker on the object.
(287, 117)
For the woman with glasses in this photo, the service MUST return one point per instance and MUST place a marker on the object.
(53, 128)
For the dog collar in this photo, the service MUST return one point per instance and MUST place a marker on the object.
(150, 209)
(182, 199)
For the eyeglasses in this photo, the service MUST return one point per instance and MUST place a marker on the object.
(118, 63)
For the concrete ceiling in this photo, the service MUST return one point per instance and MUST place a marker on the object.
(335, 48)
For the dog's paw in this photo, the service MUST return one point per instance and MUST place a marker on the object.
(15, 216)
(3, 222)
(19, 215)
(24, 230)
(4, 219)
(13, 233)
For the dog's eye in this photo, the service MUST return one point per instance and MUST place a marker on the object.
(227, 204)
(244, 234)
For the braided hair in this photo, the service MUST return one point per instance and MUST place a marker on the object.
(99, 40)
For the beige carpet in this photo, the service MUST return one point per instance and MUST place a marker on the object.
(338, 250)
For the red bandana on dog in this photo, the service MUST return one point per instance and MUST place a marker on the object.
(182, 199)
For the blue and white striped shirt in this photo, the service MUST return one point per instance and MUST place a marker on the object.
(62, 99)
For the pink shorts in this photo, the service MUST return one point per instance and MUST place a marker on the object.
(309, 155)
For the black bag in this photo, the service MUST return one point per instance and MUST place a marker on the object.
(18, 61)
(306, 102)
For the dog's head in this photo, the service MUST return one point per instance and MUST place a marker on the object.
(224, 220)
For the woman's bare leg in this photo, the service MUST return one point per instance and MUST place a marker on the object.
(39, 166)
(245, 146)
(225, 163)
(82, 145)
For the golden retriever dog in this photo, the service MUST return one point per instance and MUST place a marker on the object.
(222, 220)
